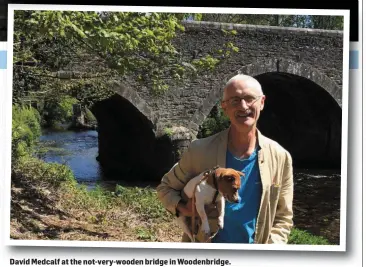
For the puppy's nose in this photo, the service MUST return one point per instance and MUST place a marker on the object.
(237, 200)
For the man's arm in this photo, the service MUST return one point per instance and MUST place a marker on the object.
(283, 222)
(174, 181)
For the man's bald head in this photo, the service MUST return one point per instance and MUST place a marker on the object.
(243, 80)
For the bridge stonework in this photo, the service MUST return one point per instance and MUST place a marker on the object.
(316, 55)
(313, 54)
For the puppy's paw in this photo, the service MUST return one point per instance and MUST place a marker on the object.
(206, 229)
(221, 223)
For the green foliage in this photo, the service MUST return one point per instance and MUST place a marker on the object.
(59, 110)
(144, 201)
(145, 233)
(36, 171)
(206, 63)
(228, 33)
(89, 117)
(168, 131)
(300, 237)
(105, 45)
(100, 197)
(298, 21)
(91, 199)
(114, 43)
(25, 130)
(215, 122)
(327, 22)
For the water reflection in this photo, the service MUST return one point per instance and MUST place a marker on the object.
(78, 150)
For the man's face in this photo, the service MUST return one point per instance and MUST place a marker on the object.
(242, 103)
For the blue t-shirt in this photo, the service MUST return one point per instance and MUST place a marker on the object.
(240, 218)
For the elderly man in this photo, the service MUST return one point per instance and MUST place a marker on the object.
(264, 214)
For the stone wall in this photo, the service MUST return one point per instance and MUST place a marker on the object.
(313, 54)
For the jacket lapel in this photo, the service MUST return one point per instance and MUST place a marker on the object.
(221, 149)
(263, 168)
(264, 179)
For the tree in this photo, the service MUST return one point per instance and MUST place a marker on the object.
(105, 45)
(298, 21)
(327, 22)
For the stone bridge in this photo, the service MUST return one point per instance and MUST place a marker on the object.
(301, 74)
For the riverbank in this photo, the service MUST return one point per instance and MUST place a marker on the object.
(42, 211)
(47, 202)
(42, 208)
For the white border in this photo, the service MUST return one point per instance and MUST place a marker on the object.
(3, 72)
(174, 245)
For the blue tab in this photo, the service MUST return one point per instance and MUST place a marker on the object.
(2, 60)
(353, 59)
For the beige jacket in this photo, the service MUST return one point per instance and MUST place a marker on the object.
(274, 221)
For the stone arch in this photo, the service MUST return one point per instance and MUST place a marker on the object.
(133, 97)
(266, 66)
(128, 146)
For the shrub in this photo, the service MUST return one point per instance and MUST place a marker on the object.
(301, 237)
(26, 130)
(215, 122)
(44, 174)
(59, 110)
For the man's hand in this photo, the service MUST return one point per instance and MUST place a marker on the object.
(185, 208)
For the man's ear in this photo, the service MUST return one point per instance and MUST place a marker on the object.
(262, 101)
(224, 106)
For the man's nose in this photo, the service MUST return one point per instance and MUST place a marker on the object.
(243, 104)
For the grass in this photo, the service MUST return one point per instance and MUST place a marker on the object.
(300, 237)
(144, 201)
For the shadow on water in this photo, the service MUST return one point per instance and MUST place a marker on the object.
(316, 191)
(79, 150)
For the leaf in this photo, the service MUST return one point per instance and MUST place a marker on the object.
(62, 32)
(80, 32)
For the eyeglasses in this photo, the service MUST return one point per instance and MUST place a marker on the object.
(249, 100)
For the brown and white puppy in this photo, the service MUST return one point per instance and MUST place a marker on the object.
(222, 183)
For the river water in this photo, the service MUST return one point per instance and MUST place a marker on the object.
(316, 192)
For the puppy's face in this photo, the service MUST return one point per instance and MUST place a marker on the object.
(229, 183)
